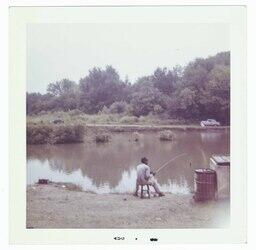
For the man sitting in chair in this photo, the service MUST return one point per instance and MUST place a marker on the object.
(146, 177)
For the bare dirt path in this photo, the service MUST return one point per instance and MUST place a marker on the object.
(52, 206)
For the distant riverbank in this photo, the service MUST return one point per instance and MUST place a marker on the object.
(77, 117)
(58, 206)
(50, 133)
(71, 127)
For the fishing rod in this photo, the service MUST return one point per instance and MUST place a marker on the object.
(165, 164)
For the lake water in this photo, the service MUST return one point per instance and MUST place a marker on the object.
(111, 167)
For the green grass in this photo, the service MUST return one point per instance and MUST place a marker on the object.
(77, 117)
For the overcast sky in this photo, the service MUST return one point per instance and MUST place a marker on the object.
(57, 51)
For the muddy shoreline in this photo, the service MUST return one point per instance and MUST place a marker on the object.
(150, 128)
(59, 205)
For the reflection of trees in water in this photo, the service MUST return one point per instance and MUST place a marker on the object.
(37, 152)
(213, 137)
(198, 152)
(105, 163)
(102, 163)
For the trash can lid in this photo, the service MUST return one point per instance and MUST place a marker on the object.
(204, 171)
(221, 159)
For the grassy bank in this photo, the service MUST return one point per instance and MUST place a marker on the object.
(71, 127)
(76, 116)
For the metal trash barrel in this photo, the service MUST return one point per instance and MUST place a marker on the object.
(205, 184)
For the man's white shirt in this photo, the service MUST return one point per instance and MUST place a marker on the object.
(143, 173)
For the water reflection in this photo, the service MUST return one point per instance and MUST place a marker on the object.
(111, 167)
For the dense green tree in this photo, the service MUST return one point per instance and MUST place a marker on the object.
(209, 79)
(164, 80)
(118, 107)
(217, 94)
(61, 87)
(144, 100)
(37, 102)
(184, 105)
(100, 88)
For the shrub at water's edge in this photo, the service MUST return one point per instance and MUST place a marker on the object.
(54, 134)
(102, 138)
(166, 135)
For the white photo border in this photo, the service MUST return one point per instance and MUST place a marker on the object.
(235, 16)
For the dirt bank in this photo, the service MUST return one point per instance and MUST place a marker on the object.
(55, 206)
(138, 127)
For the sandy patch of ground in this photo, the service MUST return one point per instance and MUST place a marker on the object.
(55, 206)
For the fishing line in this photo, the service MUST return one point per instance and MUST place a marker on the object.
(172, 159)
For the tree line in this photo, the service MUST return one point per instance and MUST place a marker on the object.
(200, 90)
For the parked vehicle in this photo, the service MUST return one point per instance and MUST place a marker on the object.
(209, 123)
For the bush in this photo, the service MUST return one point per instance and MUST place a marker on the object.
(53, 134)
(166, 135)
(67, 134)
(118, 107)
(129, 119)
(102, 138)
(43, 112)
(158, 109)
(75, 112)
(39, 134)
(105, 110)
